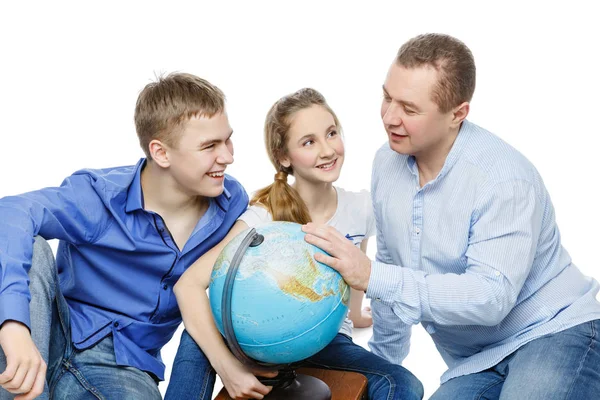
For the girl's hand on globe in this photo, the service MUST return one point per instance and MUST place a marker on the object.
(345, 257)
(364, 320)
(241, 383)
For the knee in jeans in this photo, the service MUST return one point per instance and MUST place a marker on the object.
(403, 378)
(43, 265)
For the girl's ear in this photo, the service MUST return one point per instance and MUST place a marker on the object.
(285, 162)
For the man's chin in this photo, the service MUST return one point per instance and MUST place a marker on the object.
(398, 148)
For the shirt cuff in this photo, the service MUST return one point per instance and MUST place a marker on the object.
(14, 307)
(384, 282)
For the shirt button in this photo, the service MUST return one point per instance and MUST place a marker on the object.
(116, 324)
(165, 286)
(417, 230)
(161, 230)
(497, 273)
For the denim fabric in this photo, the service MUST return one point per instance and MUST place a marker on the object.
(564, 365)
(193, 377)
(74, 374)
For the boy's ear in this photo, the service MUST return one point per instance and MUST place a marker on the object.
(158, 152)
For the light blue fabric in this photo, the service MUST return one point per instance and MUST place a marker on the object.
(474, 255)
(559, 366)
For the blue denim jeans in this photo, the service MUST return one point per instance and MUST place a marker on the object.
(74, 374)
(193, 377)
(564, 365)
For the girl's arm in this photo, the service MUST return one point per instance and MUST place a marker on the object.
(361, 318)
(193, 302)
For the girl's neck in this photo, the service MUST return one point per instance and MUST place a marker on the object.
(320, 199)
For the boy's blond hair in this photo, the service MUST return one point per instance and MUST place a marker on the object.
(165, 105)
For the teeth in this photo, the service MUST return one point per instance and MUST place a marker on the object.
(326, 165)
(216, 174)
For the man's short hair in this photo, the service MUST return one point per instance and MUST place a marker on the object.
(451, 58)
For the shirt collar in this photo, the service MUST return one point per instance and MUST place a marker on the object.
(457, 147)
(135, 196)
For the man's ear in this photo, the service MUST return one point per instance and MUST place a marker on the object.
(159, 153)
(459, 114)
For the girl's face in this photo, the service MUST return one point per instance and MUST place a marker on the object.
(315, 149)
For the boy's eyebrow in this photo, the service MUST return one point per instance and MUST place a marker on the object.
(211, 141)
(403, 102)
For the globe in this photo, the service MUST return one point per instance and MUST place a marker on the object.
(285, 306)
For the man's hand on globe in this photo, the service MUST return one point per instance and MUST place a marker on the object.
(345, 257)
(240, 382)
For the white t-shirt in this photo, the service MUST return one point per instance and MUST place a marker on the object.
(353, 218)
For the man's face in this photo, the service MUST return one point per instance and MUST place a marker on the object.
(198, 162)
(411, 119)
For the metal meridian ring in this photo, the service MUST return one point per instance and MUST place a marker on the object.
(253, 239)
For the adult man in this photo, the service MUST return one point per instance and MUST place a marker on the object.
(468, 245)
(126, 235)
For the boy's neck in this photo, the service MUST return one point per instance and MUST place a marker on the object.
(320, 199)
(163, 196)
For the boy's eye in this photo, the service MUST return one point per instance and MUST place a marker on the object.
(332, 133)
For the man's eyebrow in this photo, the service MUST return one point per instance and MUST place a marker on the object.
(403, 102)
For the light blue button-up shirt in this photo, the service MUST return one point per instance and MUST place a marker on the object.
(474, 255)
(117, 262)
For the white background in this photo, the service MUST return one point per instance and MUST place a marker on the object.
(70, 74)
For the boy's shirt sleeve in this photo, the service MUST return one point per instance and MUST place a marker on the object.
(72, 212)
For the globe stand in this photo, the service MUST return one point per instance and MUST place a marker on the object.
(287, 384)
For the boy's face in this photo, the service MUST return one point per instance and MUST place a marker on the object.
(198, 162)
(412, 120)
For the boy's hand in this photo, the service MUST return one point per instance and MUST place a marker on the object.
(241, 383)
(25, 372)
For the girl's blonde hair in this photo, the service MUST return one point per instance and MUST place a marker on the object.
(281, 200)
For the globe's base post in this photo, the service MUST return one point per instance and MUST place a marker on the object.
(304, 387)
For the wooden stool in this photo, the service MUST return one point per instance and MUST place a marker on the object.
(344, 385)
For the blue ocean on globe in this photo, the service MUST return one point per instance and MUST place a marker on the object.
(285, 305)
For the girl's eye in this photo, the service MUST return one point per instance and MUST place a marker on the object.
(308, 143)
(332, 133)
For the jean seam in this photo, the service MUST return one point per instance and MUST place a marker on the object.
(82, 381)
(491, 385)
(581, 363)
(205, 383)
(362, 371)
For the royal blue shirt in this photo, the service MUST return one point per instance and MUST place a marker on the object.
(117, 263)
